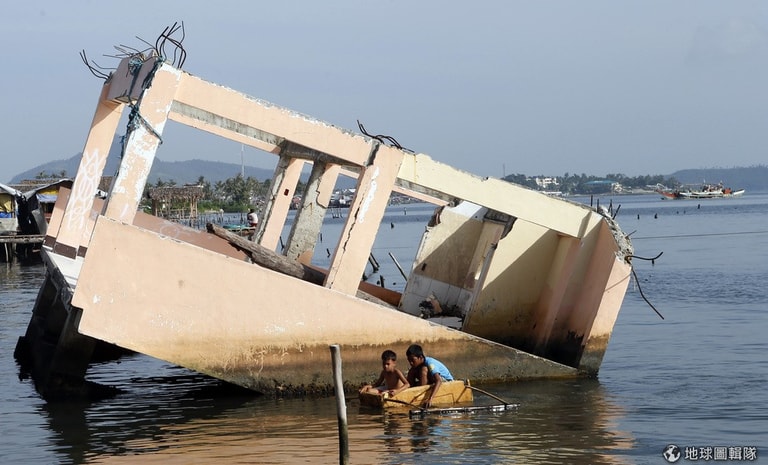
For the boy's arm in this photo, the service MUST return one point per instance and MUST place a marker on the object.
(438, 383)
(424, 378)
(375, 383)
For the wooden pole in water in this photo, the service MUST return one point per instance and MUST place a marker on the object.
(398, 266)
(374, 262)
(341, 406)
(488, 394)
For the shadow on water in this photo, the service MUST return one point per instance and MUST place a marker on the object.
(172, 415)
(165, 414)
(144, 408)
(571, 421)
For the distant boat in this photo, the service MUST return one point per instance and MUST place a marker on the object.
(240, 229)
(699, 191)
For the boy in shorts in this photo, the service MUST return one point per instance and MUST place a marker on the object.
(391, 379)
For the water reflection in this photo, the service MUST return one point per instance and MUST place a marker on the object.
(167, 414)
(654, 368)
(146, 408)
(564, 422)
(180, 417)
(557, 422)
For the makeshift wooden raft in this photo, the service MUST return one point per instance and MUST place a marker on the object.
(450, 393)
(422, 412)
(454, 397)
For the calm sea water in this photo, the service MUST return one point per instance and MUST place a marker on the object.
(697, 378)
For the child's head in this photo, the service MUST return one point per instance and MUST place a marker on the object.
(415, 355)
(388, 360)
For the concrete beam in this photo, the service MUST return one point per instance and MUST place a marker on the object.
(282, 190)
(231, 111)
(502, 196)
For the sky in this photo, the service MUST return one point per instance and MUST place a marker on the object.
(491, 87)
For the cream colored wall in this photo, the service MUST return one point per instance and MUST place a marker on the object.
(511, 290)
(507, 305)
(248, 324)
(163, 296)
(446, 262)
(7, 203)
(534, 280)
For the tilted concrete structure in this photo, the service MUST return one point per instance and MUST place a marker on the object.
(537, 281)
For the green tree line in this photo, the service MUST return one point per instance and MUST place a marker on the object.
(232, 195)
(588, 184)
(239, 193)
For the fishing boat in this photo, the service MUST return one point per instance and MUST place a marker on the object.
(523, 285)
(9, 223)
(450, 393)
(699, 191)
(240, 229)
(25, 210)
(9, 197)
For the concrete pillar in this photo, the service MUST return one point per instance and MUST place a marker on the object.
(57, 216)
(282, 190)
(66, 237)
(374, 187)
(309, 219)
(598, 306)
(147, 121)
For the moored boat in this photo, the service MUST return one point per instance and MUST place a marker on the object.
(450, 393)
(9, 198)
(240, 229)
(699, 191)
(25, 210)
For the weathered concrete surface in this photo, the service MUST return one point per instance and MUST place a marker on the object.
(524, 273)
(259, 329)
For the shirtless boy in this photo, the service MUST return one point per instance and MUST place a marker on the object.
(391, 379)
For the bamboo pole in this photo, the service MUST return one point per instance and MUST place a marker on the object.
(373, 262)
(488, 394)
(398, 266)
(341, 406)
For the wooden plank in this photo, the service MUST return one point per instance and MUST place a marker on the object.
(21, 239)
(267, 258)
(276, 262)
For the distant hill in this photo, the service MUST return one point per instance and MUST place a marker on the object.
(753, 179)
(182, 172)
